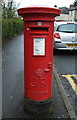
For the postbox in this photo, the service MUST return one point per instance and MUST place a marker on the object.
(38, 56)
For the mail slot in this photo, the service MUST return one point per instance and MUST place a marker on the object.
(38, 57)
(39, 29)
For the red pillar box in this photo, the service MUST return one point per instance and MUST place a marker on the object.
(38, 56)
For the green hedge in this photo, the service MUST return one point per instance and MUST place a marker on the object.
(11, 27)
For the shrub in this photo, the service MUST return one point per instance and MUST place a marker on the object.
(11, 27)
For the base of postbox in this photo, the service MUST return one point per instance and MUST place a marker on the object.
(38, 107)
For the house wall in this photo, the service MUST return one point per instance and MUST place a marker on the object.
(72, 15)
(62, 17)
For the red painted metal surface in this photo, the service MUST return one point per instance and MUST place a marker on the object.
(38, 13)
(38, 51)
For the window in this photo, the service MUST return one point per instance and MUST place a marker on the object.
(70, 28)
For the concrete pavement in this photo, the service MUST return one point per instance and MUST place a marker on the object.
(13, 82)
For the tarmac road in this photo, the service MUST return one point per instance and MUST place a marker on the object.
(13, 84)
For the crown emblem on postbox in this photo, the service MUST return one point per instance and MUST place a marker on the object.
(38, 72)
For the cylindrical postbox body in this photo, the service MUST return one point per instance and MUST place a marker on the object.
(38, 52)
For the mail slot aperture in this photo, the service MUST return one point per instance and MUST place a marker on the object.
(39, 29)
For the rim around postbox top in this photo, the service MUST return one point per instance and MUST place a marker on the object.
(39, 10)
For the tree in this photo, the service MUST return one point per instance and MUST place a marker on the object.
(4, 15)
(9, 9)
(75, 3)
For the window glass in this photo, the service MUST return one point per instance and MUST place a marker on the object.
(70, 28)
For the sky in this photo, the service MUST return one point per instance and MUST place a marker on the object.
(50, 3)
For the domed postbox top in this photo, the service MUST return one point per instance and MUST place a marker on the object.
(37, 12)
